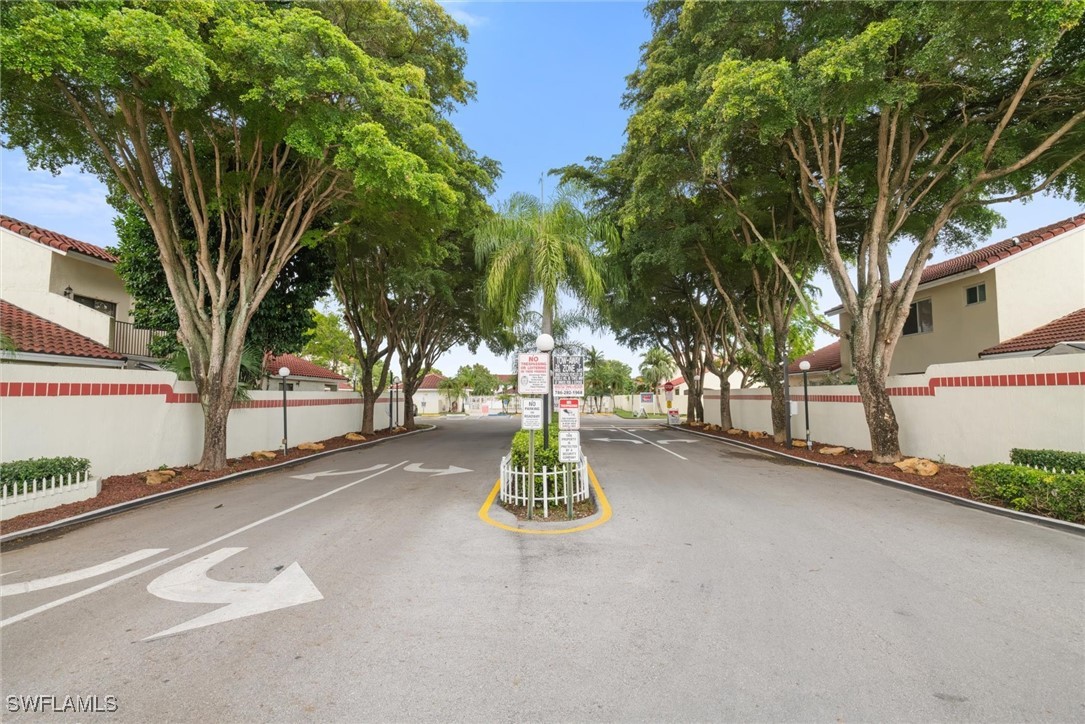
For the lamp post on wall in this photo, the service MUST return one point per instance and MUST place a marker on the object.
(545, 343)
(805, 367)
(284, 372)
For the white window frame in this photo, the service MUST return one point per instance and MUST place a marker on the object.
(915, 305)
(977, 287)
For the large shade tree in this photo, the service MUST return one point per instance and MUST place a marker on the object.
(904, 122)
(250, 119)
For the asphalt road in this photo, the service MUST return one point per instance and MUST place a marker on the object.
(727, 586)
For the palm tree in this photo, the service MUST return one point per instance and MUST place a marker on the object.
(655, 367)
(532, 246)
(593, 377)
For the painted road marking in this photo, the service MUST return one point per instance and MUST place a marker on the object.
(604, 507)
(450, 470)
(613, 439)
(190, 584)
(329, 473)
(668, 442)
(157, 564)
(672, 452)
(14, 589)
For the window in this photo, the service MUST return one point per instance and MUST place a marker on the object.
(976, 294)
(920, 318)
(102, 306)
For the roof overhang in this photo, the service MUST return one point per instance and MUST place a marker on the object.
(1055, 349)
(61, 359)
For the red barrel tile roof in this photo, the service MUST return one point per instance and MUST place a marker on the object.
(55, 240)
(431, 381)
(1070, 328)
(31, 333)
(987, 255)
(299, 367)
(825, 359)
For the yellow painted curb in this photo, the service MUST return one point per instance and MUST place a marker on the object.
(604, 506)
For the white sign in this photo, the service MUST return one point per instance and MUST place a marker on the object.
(531, 414)
(568, 446)
(672, 417)
(532, 373)
(568, 375)
(569, 414)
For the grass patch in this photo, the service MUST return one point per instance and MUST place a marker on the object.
(628, 415)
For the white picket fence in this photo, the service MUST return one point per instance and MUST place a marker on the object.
(516, 490)
(43, 494)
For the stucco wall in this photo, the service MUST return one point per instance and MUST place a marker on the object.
(34, 277)
(145, 419)
(960, 330)
(88, 279)
(967, 413)
(1041, 284)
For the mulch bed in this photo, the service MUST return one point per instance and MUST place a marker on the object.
(583, 509)
(123, 488)
(951, 479)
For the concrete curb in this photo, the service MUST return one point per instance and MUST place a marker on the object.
(1055, 523)
(166, 494)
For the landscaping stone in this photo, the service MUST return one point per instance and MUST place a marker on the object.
(917, 466)
(832, 451)
(157, 477)
(736, 431)
(758, 435)
(355, 436)
(263, 455)
(315, 446)
(798, 443)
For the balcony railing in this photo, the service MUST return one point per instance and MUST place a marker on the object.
(132, 341)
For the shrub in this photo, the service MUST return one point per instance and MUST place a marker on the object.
(547, 456)
(1058, 495)
(13, 474)
(1068, 462)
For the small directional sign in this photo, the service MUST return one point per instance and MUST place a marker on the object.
(569, 414)
(568, 446)
(531, 414)
(672, 417)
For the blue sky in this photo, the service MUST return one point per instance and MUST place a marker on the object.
(550, 78)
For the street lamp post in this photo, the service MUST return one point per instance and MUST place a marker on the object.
(545, 343)
(284, 372)
(805, 367)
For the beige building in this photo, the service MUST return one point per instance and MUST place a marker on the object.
(976, 301)
(70, 283)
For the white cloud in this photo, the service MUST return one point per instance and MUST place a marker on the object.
(461, 15)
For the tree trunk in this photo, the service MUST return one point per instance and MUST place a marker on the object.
(216, 399)
(369, 409)
(779, 409)
(725, 405)
(408, 408)
(881, 418)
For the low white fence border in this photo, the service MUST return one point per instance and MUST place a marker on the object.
(515, 482)
(44, 494)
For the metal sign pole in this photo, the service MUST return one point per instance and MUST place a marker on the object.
(531, 473)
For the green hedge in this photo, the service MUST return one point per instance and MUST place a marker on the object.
(13, 474)
(1068, 462)
(547, 457)
(1058, 495)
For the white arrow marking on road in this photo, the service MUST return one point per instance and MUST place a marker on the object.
(189, 584)
(668, 442)
(613, 439)
(13, 589)
(669, 452)
(450, 470)
(329, 473)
